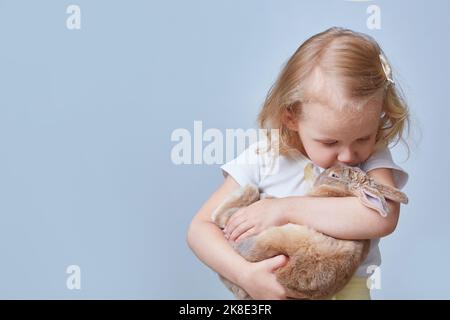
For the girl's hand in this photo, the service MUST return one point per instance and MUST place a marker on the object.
(255, 218)
(259, 279)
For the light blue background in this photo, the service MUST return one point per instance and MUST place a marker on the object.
(86, 117)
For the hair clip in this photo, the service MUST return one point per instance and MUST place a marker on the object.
(386, 68)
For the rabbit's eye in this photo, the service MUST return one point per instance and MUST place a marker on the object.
(334, 175)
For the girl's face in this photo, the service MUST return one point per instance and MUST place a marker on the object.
(331, 136)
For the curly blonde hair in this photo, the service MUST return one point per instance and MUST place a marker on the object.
(351, 57)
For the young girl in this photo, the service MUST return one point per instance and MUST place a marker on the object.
(335, 102)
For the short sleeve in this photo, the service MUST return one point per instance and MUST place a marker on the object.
(383, 159)
(245, 167)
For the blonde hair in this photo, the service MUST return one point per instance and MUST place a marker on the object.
(351, 57)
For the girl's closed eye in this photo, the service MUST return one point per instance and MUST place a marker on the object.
(334, 142)
(329, 143)
(364, 139)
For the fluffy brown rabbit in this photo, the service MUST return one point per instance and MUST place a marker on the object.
(319, 266)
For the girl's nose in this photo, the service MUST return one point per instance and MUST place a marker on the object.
(347, 157)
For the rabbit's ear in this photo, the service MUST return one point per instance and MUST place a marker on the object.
(392, 193)
(373, 199)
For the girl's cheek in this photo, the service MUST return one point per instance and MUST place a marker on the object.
(324, 157)
(327, 152)
(368, 150)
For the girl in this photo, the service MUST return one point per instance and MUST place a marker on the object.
(335, 102)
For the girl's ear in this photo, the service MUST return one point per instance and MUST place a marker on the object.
(373, 199)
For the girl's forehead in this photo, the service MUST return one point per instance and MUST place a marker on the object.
(328, 120)
(327, 110)
(340, 112)
(323, 88)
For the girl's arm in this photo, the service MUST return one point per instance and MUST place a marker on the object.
(208, 242)
(346, 217)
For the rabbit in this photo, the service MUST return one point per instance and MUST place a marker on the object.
(319, 266)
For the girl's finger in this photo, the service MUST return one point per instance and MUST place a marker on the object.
(234, 221)
(243, 227)
(246, 234)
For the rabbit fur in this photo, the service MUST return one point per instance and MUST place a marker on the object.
(319, 266)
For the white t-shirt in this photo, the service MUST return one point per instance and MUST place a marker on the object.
(282, 176)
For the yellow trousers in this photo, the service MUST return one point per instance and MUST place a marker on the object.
(356, 289)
